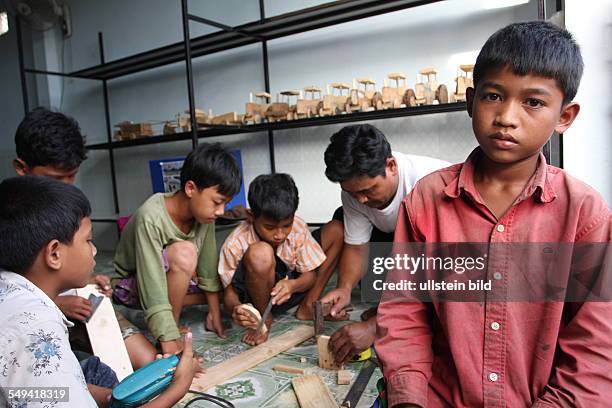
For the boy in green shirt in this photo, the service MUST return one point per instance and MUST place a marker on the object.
(168, 252)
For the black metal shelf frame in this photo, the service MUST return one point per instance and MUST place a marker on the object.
(259, 31)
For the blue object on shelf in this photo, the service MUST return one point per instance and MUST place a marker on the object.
(166, 177)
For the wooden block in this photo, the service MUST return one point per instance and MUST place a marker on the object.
(326, 359)
(105, 335)
(344, 377)
(302, 360)
(288, 369)
(312, 392)
(248, 359)
(254, 313)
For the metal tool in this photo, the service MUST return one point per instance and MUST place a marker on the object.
(321, 311)
(264, 317)
(354, 394)
(95, 303)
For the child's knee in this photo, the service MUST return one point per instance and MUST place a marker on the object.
(259, 258)
(183, 257)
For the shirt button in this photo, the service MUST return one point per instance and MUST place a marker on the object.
(493, 377)
(495, 326)
(500, 228)
(497, 276)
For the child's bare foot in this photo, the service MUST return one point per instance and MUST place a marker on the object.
(253, 339)
(214, 325)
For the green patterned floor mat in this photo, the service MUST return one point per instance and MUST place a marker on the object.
(260, 386)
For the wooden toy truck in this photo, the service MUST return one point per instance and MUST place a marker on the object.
(464, 80)
(427, 91)
(311, 104)
(130, 130)
(364, 99)
(256, 111)
(335, 103)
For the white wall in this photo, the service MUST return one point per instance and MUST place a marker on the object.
(587, 145)
(403, 41)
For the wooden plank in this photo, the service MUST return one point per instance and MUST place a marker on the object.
(312, 392)
(288, 369)
(326, 359)
(238, 364)
(105, 335)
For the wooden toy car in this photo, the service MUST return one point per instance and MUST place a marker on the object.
(393, 96)
(229, 118)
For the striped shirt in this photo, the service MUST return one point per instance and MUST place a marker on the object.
(300, 251)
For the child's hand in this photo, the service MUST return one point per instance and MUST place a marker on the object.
(243, 317)
(189, 366)
(282, 291)
(104, 284)
(74, 307)
(214, 323)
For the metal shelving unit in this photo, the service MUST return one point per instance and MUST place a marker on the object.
(259, 31)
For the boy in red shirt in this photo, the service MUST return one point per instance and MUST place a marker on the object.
(513, 353)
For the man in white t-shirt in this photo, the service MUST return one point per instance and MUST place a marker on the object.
(374, 181)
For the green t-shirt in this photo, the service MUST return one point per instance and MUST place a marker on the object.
(139, 252)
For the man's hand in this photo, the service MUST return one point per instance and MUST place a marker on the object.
(242, 317)
(171, 346)
(74, 307)
(352, 339)
(340, 298)
(103, 283)
(189, 366)
(282, 291)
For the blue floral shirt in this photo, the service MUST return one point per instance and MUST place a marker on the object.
(34, 349)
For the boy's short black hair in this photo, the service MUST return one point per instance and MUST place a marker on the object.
(33, 211)
(274, 196)
(356, 150)
(211, 165)
(46, 138)
(535, 47)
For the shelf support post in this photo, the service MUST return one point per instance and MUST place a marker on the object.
(109, 129)
(189, 68)
(264, 48)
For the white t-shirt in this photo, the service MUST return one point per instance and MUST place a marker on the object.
(34, 348)
(359, 219)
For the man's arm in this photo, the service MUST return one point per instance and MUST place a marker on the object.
(353, 264)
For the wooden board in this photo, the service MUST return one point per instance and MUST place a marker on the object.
(288, 369)
(105, 335)
(248, 359)
(326, 359)
(312, 392)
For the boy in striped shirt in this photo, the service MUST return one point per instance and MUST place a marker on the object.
(271, 255)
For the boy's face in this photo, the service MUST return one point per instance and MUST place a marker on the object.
(374, 192)
(206, 204)
(65, 176)
(78, 257)
(514, 116)
(272, 231)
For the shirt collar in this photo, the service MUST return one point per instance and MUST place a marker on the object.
(25, 284)
(539, 186)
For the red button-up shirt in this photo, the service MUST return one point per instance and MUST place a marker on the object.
(498, 354)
